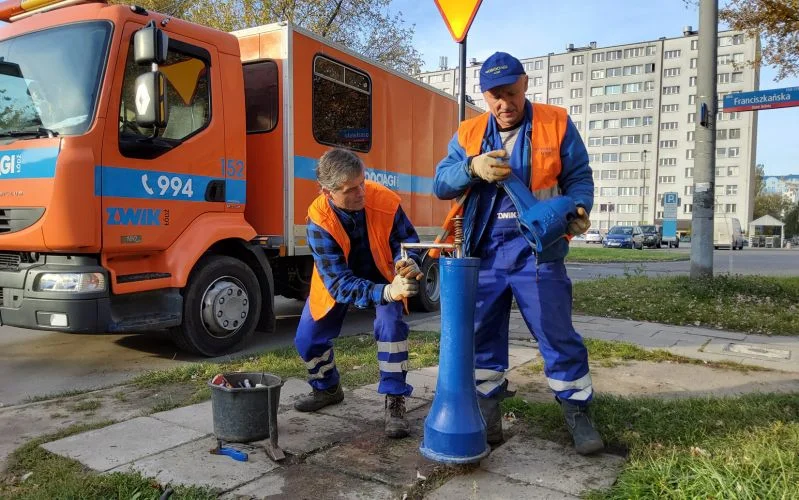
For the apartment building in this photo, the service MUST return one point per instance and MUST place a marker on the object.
(635, 107)
(786, 185)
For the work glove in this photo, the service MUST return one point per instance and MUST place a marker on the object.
(491, 166)
(579, 224)
(400, 288)
(408, 268)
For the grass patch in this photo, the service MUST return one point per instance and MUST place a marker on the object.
(88, 405)
(608, 255)
(753, 304)
(52, 476)
(737, 447)
(356, 359)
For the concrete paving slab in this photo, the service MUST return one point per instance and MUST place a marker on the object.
(672, 339)
(705, 332)
(365, 404)
(115, 445)
(394, 462)
(518, 355)
(553, 466)
(193, 464)
(302, 433)
(485, 485)
(292, 389)
(311, 481)
(198, 417)
(601, 335)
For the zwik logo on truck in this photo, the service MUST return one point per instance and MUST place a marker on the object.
(118, 216)
(10, 164)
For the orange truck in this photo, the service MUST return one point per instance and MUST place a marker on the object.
(155, 174)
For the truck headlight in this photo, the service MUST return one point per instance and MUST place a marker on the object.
(70, 282)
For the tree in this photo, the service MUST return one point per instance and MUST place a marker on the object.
(365, 26)
(777, 22)
(774, 205)
(792, 222)
(760, 183)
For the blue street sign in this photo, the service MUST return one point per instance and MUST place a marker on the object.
(670, 203)
(761, 99)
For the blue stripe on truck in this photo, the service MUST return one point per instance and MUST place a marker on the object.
(159, 185)
(31, 163)
(304, 168)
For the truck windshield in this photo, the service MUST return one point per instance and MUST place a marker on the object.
(50, 79)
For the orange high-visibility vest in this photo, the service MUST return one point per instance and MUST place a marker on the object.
(381, 207)
(548, 130)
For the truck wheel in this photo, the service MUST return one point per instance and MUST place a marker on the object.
(221, 306)
(429, 298)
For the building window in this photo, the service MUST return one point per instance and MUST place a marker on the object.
(689, 172)
(694, 44)
(598, 57)
(667, 162)
(612, 89)
(649, 103)
(597, 74)
(670, 108)
(558, 68)
(692, 99)
(649, 86)
(557, 101)
(609, 175)
(668, 126)
(613, 55)
(612, 72)
(595, 125)
(537, 81)
(596, 108)
(631, 122)
(737, 77)
(651, 50)
(610, 140)
(539, 64)
(721, 134)
(693, 63)
(646, 138)
(631, 139)
(671, 72)
(667, 179)
(630, 156)
(577, 76)
(612, 106)
(691, 117)
(538, 97)
(556, 85)
(723, 78)
(687, 208)
(688, 191)
(633, 70)
(720, 171)
(578, 60)
(732, 171)
(597, 91)
(647, 120)
(607, 191)
(576, 93)
(732, 190)
(576, 109)
(594, 141)
(671, 54)
(630, 88)
(671, 90)
(733, 152)
(671, 144)
(634, 52)
(735, 133)
(636, 104)
(692, 81)
(690, 136)
(721, 152)
(730, 208)
(689, 154)
(649, 68)
(612, 123)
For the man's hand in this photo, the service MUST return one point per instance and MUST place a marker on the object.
(400, 288)
(490, 166)
(408, 268)
(580, 224)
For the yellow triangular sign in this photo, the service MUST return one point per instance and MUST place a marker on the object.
(458, 15)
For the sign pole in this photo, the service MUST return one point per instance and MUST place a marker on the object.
(462, 85)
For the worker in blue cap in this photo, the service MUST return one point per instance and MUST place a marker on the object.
(540, 145)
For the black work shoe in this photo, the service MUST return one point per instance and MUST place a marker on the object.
(397, 425)
(489, 407)
(586, 438)
(319, 399)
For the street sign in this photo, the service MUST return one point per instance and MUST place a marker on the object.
(670, 203)
(761, 99)
(458, 16)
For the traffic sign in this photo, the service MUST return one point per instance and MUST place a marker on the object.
(458, 16)
(670, 203)
(761, 99)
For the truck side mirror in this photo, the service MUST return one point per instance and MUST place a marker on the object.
(150, 45)
(151, 101)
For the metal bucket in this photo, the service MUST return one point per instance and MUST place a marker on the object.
(242, 415)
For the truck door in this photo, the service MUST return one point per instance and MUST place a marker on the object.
(154, 183)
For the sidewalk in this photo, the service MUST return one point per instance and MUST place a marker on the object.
(340, 452)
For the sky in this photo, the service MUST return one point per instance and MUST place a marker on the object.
(528, 28)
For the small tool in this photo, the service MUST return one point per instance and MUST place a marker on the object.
(231, 452)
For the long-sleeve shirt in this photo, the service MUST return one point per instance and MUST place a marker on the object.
(356, 280)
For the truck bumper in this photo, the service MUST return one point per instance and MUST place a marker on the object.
(23, 306)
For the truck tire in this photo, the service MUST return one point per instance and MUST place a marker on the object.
(221, 306)
(429, 298)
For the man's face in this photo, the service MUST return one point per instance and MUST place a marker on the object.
(506, 102)
(349, 196)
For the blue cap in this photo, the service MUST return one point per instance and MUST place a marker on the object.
(499, 69)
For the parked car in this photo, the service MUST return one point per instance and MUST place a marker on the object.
(652, 236)
(624, 237)
(593, 236)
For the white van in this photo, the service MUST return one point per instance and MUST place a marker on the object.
(727, 233)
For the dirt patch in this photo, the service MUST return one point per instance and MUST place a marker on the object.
(664, 380)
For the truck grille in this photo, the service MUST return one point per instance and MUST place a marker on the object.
(10, 261)
(17, 219)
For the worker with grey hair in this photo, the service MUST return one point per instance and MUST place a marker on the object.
(355, 228)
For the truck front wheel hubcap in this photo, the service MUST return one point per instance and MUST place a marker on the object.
(225, 307)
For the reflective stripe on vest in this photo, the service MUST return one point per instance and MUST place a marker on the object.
(548, 130)
(381, 208)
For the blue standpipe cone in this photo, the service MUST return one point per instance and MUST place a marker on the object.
(542, 222)
(454, 430)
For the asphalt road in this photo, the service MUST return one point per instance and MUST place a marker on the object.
(35, 363)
